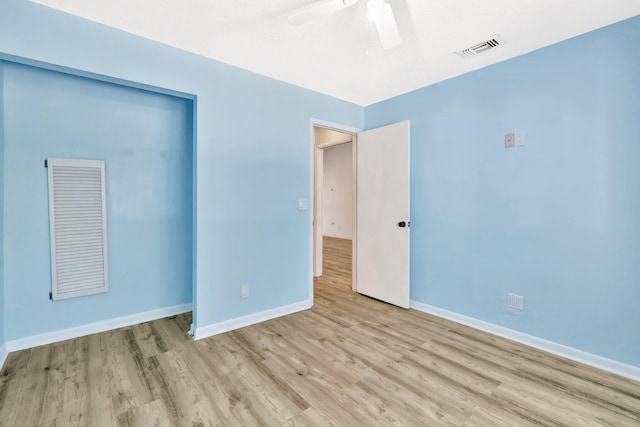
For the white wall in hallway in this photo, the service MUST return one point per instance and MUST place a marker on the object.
(338, 192)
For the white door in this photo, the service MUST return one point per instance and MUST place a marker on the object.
(382, 218)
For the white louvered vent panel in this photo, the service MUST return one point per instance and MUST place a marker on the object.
(484, 46)
(78, 227)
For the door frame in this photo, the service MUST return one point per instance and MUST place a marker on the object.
(317, 155)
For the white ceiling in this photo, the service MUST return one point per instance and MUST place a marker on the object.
(329, 55)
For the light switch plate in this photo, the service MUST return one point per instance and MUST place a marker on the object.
(519, 139)
(303, 204)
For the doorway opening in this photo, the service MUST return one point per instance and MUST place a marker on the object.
(380, 216)
(334, 206)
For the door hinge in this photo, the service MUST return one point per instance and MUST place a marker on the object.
(46, 163)
(51, 296)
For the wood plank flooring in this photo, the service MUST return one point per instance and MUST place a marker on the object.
(349, 361)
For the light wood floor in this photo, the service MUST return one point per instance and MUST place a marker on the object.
(350, 361)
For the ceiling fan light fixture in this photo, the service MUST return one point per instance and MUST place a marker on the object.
(380, 14)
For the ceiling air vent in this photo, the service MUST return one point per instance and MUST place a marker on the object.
(474, 50)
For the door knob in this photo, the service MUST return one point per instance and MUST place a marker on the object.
(402, 224)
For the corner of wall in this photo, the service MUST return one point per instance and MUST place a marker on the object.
(91, 328)
(250, 319)
(604, 363)
(3, 352)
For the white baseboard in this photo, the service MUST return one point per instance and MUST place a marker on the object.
(93, 328)
(251, 319)
(3, 354)
(610, 365)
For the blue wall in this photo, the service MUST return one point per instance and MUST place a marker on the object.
(145, 140)
(557, 220)
(2, 305)
(253, 158)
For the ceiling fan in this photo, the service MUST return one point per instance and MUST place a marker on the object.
(379, 12)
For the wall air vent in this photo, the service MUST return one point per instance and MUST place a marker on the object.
(78, 227)
(476, 49)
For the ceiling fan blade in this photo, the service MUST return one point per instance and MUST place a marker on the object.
(388, 29)
(316, 10)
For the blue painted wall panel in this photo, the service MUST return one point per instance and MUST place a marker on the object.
(255, 167)
(145, 140)
(253, 154)
(556, 220)
(2, 305)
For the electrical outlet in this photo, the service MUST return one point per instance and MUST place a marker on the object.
(244, 293)
(509, 140)
(515, 301)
